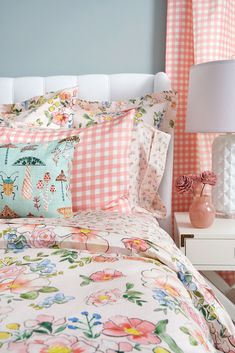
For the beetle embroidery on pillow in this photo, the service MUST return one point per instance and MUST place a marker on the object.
(8, 184)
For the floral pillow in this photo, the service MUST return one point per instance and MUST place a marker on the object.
(35, 179)
(16, 109)
(156, 109)
(54, 110)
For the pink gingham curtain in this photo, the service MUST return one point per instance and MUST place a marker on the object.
(197, 31)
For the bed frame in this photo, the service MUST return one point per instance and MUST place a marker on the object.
(100, 88)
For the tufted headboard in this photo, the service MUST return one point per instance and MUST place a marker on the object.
(100, 88)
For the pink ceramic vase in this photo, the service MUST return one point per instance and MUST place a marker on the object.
(201, 212)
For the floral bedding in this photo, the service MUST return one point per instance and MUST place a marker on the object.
(103, 283)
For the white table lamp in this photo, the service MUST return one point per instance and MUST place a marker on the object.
(211, 108)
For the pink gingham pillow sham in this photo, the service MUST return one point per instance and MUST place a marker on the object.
(100, 169)
(149, 142)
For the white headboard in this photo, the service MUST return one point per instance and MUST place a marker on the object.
(101, 88)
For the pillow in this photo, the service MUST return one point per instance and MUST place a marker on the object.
(35, 179)
(16, 109)
(147, 165)
(149, 147)
(53, 110)
(156, 109)
(100, 173)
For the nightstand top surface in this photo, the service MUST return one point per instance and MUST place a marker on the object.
(221, 228)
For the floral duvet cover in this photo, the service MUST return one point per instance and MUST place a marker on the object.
(103, 283)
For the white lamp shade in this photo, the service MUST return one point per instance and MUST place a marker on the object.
(211, 97)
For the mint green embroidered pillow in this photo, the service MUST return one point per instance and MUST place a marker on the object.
(35, 179)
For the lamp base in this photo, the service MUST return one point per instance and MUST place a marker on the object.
(223, 164)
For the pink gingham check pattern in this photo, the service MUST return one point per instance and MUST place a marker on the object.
(197, 31)
(100, 171)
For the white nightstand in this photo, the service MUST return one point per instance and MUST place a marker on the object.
(210, 249)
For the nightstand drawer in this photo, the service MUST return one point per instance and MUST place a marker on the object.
(211, 252)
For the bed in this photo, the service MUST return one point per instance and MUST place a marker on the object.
(100, 281)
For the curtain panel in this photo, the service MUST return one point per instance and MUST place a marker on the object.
(197, 31)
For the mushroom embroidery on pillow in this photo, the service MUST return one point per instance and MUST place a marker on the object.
(35, 179)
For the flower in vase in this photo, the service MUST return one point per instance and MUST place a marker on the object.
(183, 184)
(208, 177)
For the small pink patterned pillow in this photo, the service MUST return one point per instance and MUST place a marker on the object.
(100, 171)
(147, 165)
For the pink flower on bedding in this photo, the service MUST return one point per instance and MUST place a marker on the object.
(90, 239)
(60, 118)
(105, 275)
(24, 283)
(44, 318)
(156, 278)
(42, 237)
(47, 344)
(104, 297)
(136, 330)
(64, 96)
(137, 244)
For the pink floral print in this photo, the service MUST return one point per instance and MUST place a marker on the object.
(44, 318)
(24, 282)
(64, 298)
(105, 275)
(136, 330)
(90, 239)
(44, 237)
(137, 244)
(104, 297)
(59, 344)
(167, 281)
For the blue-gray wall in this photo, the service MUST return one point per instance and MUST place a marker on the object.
(49, 37)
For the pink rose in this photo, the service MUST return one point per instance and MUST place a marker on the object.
(42, 238)
(208, 177)
(183, 184)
